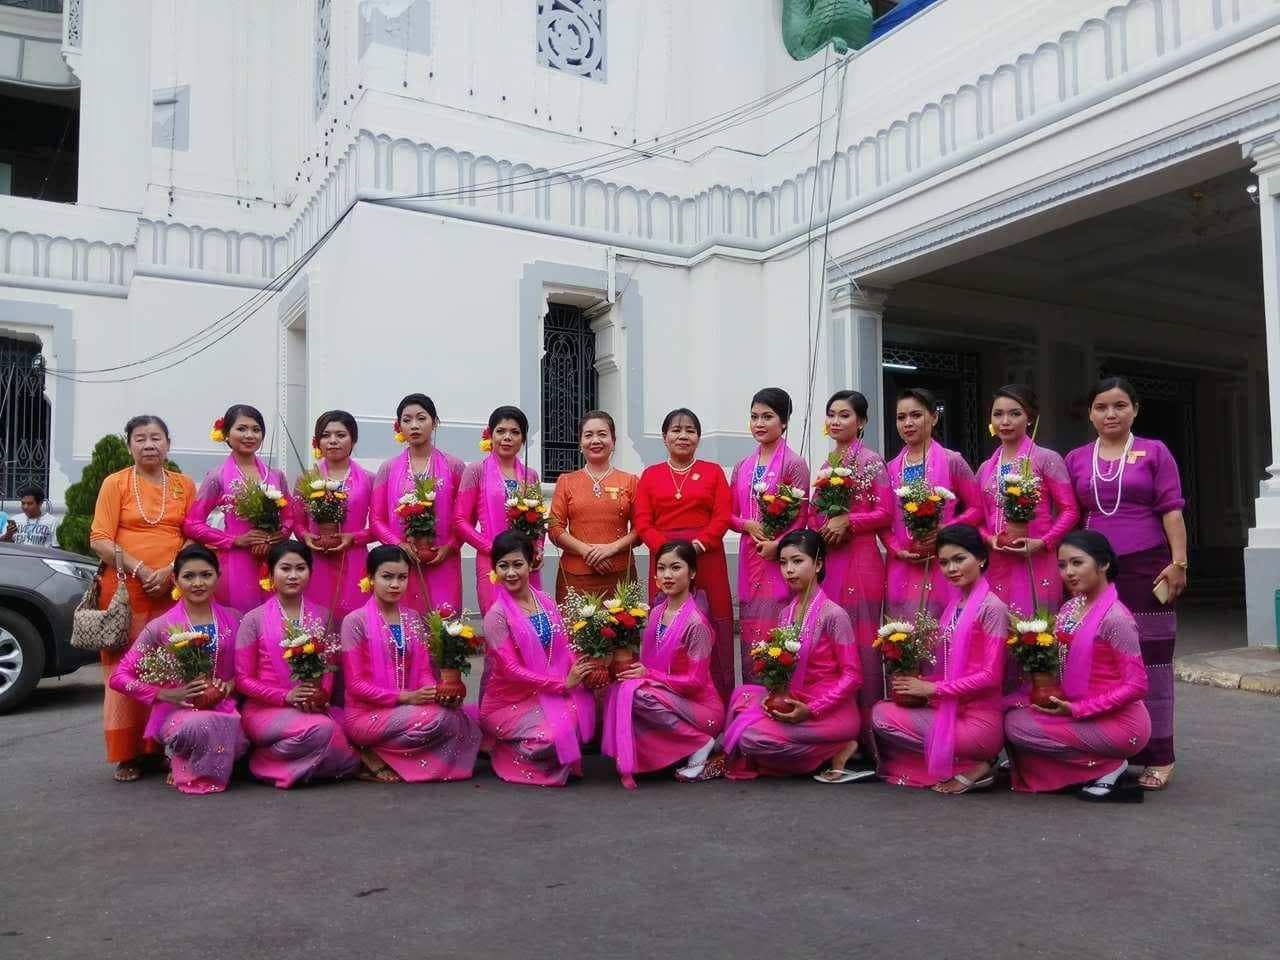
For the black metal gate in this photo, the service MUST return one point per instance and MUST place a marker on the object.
(24, 419)
(568, 386)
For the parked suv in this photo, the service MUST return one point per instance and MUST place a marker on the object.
(39, 590)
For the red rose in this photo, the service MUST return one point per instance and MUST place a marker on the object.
(891, 651)
(758, 666)
(787, 658)
(1029, 639)
(821, 482)
(1024, 502)
(776, 508)
(927, 509)
(1063, 638)
(626, 620)
(533, 516)
(447, 612)
(608, 633)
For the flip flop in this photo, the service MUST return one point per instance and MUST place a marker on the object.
(832, 775)
(970, 786)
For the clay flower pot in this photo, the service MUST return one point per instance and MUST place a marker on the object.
(778, 700)
(450, 690)
(1012, 533)
(1044, 686)
(209, 698)
(924, 548)
(327, 534)
(318, 698)
(908, 699)
(622, 660)
(598, 676)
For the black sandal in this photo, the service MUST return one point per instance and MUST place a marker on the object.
(1116, 792)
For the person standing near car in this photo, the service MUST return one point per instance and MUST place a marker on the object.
(140, 509)
(34, 525)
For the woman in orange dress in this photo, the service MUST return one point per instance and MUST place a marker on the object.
(140, 510)
(591, 518)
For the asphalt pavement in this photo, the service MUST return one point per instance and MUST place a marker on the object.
(782, 869)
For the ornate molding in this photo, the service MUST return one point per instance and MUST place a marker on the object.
(571, 36)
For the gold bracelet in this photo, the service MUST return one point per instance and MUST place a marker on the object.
(1179, 563)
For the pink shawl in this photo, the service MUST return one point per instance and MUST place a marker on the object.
(494, 496)
(536, 660)
(755, 713)
(382, 668)
(398, 485)
(774, 585)
(223, 660)
(940, 747)
(1075, 676)
(618, 739)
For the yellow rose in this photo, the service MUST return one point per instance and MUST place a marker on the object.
(775, 652)
(486, 444)
(1044, 640)
(467, 633)
(837, 481)
(897, 637)
(638, 612)
(1014, 491)
(912, 507)
(217, 436)
(317, 495)
(579, 625)
(935, 498)
(308, 648)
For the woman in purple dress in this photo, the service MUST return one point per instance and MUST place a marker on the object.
(1129, 491)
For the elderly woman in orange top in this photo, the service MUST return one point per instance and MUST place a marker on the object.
(139, 511)
(591, 515)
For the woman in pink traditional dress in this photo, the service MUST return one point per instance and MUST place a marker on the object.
(665, 708)
(854, 568)
(438, 566)
(241, 547)
(391, 713)
(913, 577)
(821, 715)
(294, 734)
(1024, 569)
(761, 591)
(533, 705)
(338, 557)
(481, 512)
(951, 744)
(202, 741)
(1087, 736)
(1130, 492)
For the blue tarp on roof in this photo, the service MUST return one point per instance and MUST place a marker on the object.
(899, 14)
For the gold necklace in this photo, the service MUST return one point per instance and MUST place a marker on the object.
(684, 472)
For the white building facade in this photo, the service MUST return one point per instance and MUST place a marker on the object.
(645, 204)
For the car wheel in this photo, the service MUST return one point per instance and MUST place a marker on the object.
(21, 659)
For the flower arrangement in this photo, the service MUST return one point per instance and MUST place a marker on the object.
(628, 613)
(183, 658)
(527, 512)
(837, 487)
(417, 510)
(778, 507)
(907, 648)
(1038, 650)
(592, 633)
(922, 507)
(773, 660)
(452, 642)
(1020, 494)
(310, 654)
(324, 499)
(259, 505)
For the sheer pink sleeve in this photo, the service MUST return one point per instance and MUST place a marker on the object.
(986, 657)
(125, 679)
(1120, 634)
(364, 535)
(796, 473)
(467, 507)
(502, 650)
(698, 643)
(196, 525)
(385, 529)
(355, 665)
(1062, 495)
(247, 680)
(836, 627)
(456, 469)
(968, 494)
(739, 513)
(879, 516)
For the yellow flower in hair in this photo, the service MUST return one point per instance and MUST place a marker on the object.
(176, 594)
(486, 444)
(493, 576)
(826, 430)
(316, 454)
(216, 436)
(266, 584)
(400, 437)
(366, 585)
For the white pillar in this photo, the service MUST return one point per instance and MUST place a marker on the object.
(857, 346)
(1262, 555)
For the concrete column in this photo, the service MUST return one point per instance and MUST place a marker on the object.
(1262, 555)
(857, 346)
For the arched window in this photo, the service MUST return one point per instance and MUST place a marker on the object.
(568, 386)
(24, 418)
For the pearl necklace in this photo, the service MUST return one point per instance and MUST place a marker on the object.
(164, 497)
(398, 649)
(596, 482)
(1118, 476)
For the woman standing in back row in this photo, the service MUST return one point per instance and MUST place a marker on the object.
(1130, 492)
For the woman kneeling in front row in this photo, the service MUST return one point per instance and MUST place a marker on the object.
(391, 712)
(1088, 735)
(951, 743)
(818, 716)
(195, 719)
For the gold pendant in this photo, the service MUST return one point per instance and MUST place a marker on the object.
(679, 495)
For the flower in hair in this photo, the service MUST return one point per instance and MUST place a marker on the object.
(216, 434)
(486, 440)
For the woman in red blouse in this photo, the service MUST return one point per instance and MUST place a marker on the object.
(687, 498)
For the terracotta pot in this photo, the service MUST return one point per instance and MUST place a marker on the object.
(924, 548)
(907, 699)
(598, 676)
(450, 689)
(209, 698)
(622, 659)
(778, 700)
(1044, 686)
(319, 698)
(327, 534)
(1011, 533)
